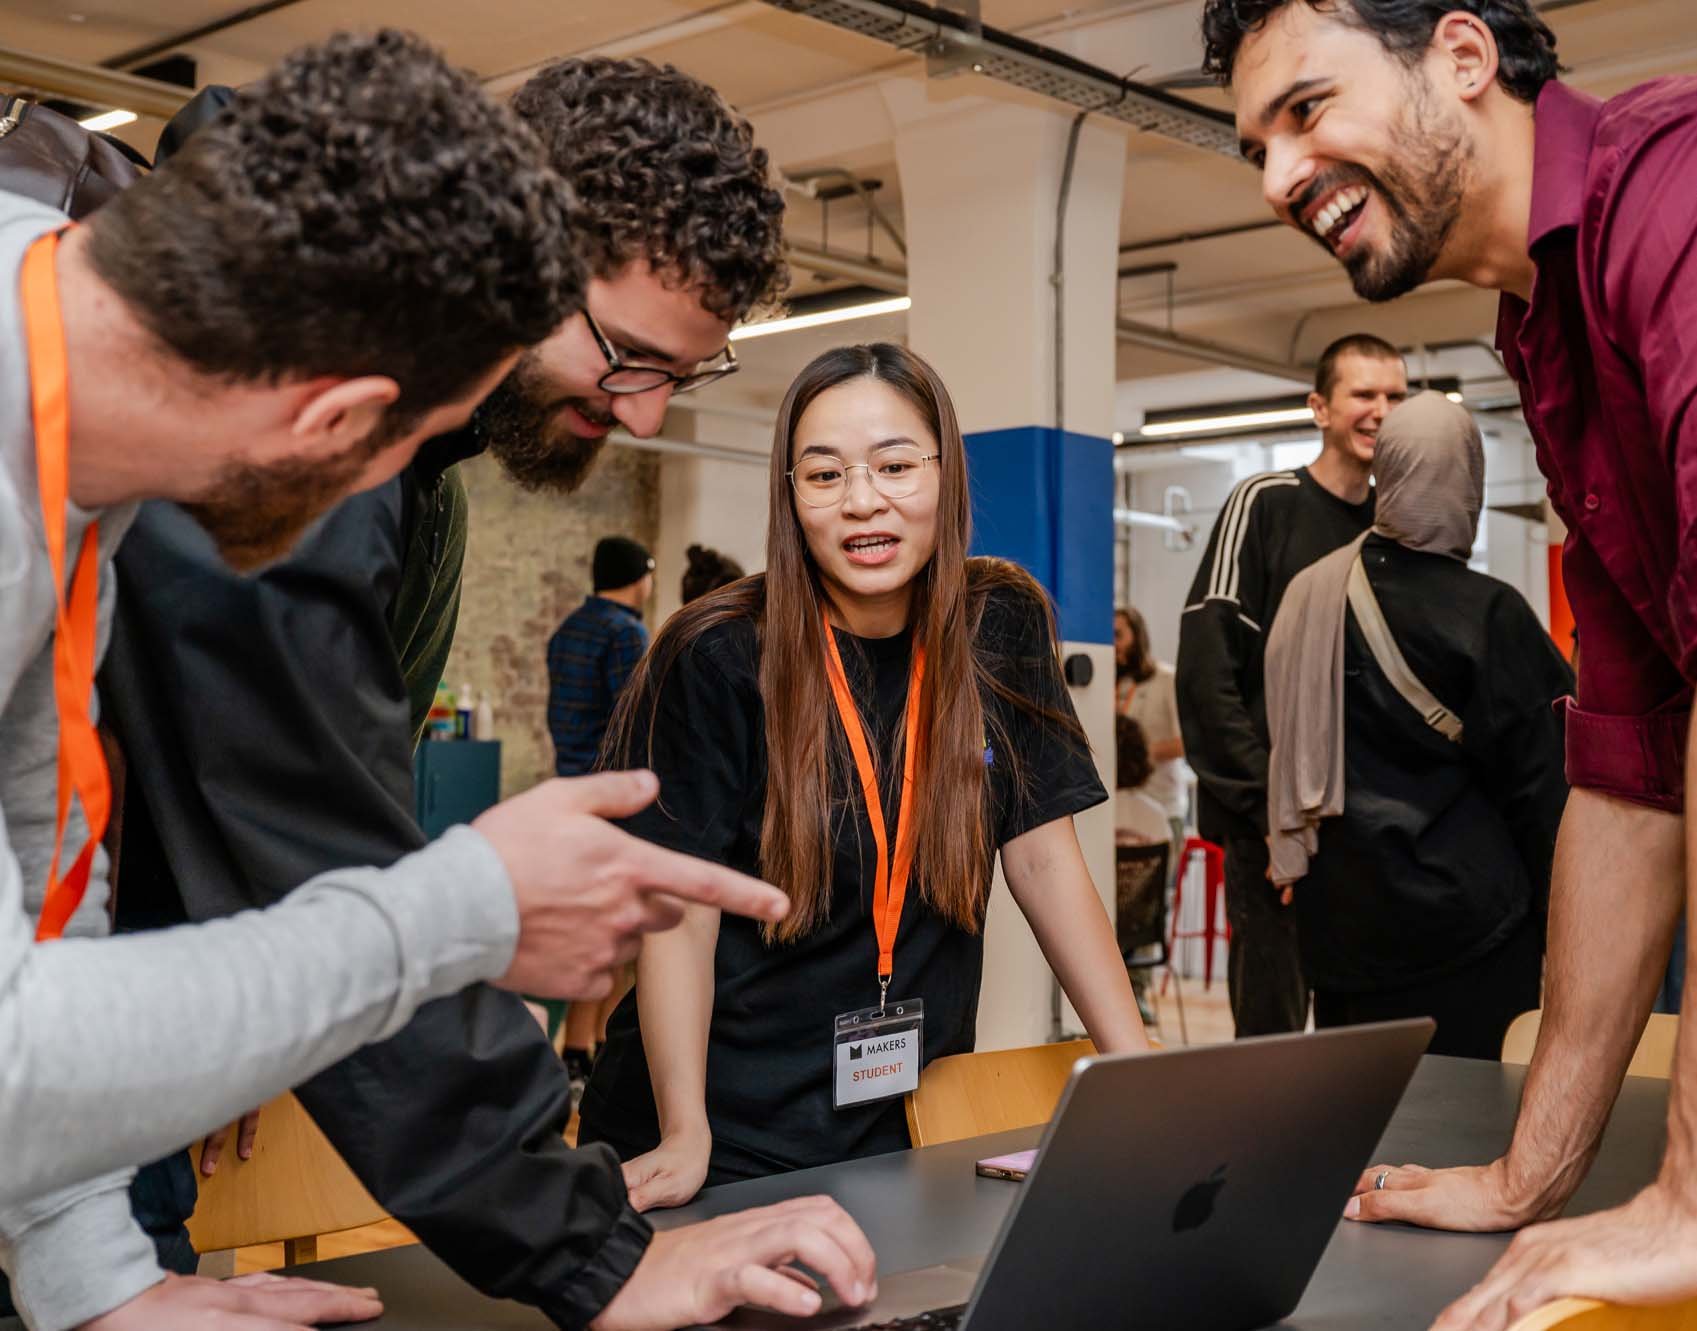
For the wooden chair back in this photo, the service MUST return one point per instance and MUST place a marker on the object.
(1589, 1315)
(968, 1095)
(293, 1188)
(1652, 1058)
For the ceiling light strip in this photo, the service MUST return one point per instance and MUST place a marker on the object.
(1242, 420)
(820, 318)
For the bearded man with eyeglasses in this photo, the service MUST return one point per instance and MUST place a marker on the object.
(269, 722)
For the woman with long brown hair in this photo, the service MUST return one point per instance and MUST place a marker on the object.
(866, 725)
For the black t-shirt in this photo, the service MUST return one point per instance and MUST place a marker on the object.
(769, 1044)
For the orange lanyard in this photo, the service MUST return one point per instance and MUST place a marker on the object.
(889, 882)
(82, 763)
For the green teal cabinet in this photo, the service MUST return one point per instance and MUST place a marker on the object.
(454, 781)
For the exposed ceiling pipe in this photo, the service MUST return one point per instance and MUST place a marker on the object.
(954, 39)
(635, 43)
(894, 280)
(1216, 353)
(138, 54)
(880, 277)
(806, 179)
(24, 70)
(1190, 237)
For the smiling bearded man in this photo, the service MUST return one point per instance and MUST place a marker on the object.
(1481, 165)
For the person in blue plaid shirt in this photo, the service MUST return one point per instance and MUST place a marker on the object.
(594, 651)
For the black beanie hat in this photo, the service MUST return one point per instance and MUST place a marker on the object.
(619, 561)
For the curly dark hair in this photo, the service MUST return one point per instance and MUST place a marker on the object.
(707, 572)
(1526, 48)
(666, 172)
(362, 209)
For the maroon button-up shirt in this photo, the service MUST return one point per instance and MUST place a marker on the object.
(1605, 354)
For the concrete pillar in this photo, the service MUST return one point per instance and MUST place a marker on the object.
(980, 182)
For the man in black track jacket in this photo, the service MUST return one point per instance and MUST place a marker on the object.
(1272, 527)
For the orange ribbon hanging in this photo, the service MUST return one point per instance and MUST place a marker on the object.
(889, 881)
(76, 625)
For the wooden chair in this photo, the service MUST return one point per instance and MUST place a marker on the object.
(1589, 1315)
(1652, 1058)
(294, 1188)
(968, 1095)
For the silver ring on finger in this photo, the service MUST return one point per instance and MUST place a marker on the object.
(1379, 1183)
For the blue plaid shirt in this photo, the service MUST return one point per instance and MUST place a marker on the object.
(590, 658)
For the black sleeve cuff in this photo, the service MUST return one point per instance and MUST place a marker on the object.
(605, 1274)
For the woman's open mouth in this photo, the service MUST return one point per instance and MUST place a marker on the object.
(872, 549)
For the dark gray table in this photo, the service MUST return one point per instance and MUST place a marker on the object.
(924, 1207)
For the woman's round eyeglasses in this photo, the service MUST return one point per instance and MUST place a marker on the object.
(624, 379)
(822, 481)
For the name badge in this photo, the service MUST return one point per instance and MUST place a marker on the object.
(877, 1053)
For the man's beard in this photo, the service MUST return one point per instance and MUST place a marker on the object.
(255, 512)
(517, 422)
(1423, 193)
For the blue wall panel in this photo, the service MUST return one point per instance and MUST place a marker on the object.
(1045, 499)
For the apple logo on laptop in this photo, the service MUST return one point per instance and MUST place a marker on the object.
(1196, 1207)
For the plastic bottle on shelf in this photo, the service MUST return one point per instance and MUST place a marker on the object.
(463, 713)
(483, 726)
(441, 722)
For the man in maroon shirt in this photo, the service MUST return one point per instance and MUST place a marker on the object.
(1426, 139)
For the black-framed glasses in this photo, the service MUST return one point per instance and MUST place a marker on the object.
(822, 481)
(624, 379)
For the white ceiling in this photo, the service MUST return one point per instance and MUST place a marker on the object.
(1268, 291)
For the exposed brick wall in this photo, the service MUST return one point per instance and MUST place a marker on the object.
(526, 568)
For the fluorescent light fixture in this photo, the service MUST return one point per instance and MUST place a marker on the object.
(1242, 420)
(818, 319)
(108, 120)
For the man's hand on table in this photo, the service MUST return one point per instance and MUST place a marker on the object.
(212, 1149)
(259, 1302)
(1642, 1253)
(1471, 1198)
(701, 1272)
(587, 892)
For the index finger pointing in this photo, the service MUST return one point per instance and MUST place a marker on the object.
(709, 884)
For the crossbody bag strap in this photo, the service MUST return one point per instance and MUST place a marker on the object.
(1371, 620)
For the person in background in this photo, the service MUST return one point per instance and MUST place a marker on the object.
(1272, 527)
(1431, 141)
(595, 651)
(590, 658)
(707, 572)
(218, 688)
(1418, 853)
(874, 708)
(1145, 690)
(1139, 820)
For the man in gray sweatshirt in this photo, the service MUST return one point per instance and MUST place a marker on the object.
(309, 317)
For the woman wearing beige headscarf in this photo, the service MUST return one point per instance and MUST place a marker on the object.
(1415, 783)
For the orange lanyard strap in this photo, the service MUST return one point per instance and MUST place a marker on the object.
(890, 882)
(82, 763)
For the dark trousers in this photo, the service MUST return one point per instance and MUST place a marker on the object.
(162, 1197)
(1264, 978)
(1472, 1006)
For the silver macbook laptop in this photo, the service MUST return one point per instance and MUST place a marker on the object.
(1191, 1190)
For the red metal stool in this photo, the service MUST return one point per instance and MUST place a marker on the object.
(1214, 888)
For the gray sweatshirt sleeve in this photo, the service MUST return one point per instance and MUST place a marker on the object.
(123, 1049)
